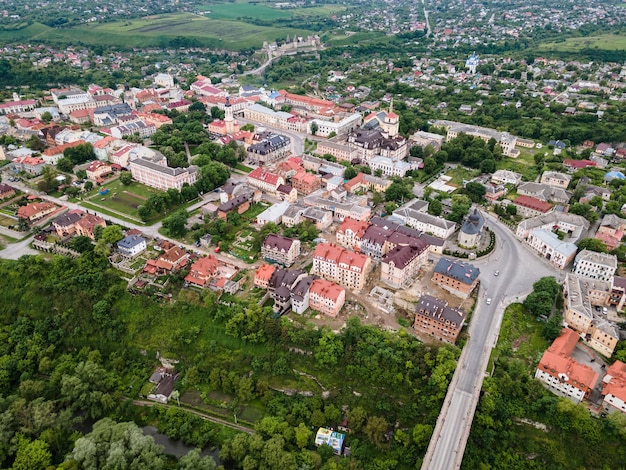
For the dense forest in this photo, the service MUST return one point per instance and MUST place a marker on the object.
(77, 346)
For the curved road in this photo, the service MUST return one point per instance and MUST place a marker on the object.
(519, 269)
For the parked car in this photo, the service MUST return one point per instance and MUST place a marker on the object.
(488, 301)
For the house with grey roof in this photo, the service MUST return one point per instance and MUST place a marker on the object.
(131, 245)
(457, 277)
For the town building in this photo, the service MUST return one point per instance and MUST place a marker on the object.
(573, 226)
(342, 152)
(400, 265)
(364, 182)
(171, 260)
(264, 180)
(436, 318)
(238, 204)
(97, 170)
(279, 249)
(469, 235)
(338, 265)
(614, 389)
(546, 243)
(456, 276)
(306, 183)
(582, 297)
(273, 214)
(594, 265)
(273, 147)
(528, 206)
(611, 231)
(544, 192)
(65, 224)
(155, 173)
(507, 141)
(561, 373)
(326, 297)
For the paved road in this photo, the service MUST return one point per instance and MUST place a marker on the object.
(260, 69)
(14, 251)
(519, 269)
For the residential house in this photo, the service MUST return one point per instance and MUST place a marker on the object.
(561, 373)
(97, 170)
(594, 265)
(573, 165)
(293, 215)
(611, 231)
(326, 297)
(506, 177)
(400, 265)
(239, 204)
(350, 233)
(614, 389)
(65, 224)
(52, 155)
(35, 211)
(300, 294)
(320, 217)
(86, 225)
(131, 245)
(424, 222)
(263, 274)
(264, 180)
(364, 183)
(279, 249)
(456, 276)
(171, 260)
(341, 266)
(30, 165)
(555, 178)
(202, 271)
(287, 193)
(436, 318)
(6, 191)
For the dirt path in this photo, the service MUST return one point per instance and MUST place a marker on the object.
(223, 422)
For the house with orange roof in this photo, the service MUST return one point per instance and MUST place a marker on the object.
(306, 183)
(52, 155)
(614, 390)
(263, 275)
(86, 226)
(81, 116)
(350, 232)
(339, 265)
(326, 297)
(97, 170)
(202, 271)
(264, 180)
(35, 211)
(30, 165)
(172, 260)
(560, 373)
(106, 146)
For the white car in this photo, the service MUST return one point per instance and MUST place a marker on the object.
(488, 301)
(496, 273)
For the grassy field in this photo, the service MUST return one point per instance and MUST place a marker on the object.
(120, 198)
(233, 11)
(158, 30)
(609, 42)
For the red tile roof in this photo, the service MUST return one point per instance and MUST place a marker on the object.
(533, 203)
(262, 175)
(61, 148)
(616, 375)
(28, 211)
(264, 272)
(578, 163)
(326, 289)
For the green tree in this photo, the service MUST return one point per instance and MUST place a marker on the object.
(356, 418)
(126, 178)
(46, 117)
(302, 435)
(112, 234)
(475, 191)
(176, 223)
(511, 209)
(592, 244)
(32, 455)
(329, 349)
(375, 429)
(435, 207)
(194, 461)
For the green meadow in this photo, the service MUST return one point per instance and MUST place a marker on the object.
(608, 42)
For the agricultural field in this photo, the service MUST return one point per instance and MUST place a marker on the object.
(160, 31)
(608, 42)
(265, 11)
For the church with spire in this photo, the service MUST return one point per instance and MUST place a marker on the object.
(387, 121)
(227, 126)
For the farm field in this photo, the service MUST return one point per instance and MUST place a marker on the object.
(607, 42)
(264, 11)
(159, 31)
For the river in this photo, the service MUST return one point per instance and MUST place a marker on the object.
(176, 447)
